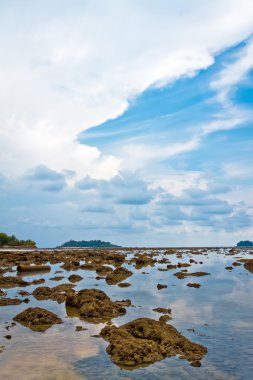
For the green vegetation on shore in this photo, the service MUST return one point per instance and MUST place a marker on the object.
(12, 241)
(245, 243)
(89, 243)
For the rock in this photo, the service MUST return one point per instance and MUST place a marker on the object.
(249, 265)
(144, 261)
(228, 268)
(37, 282)
(2, 293)
(23, 293)
(124, 284)
(57, 278)
(183, 265)
(171, 266)
(8, 337)
(33, 268)
(165, 318)
(118, 275)
(126, 302)
(12, 282)
(80, 328)
(9, 326)
(95, 306)
(90, 266)
(37, 319)
(193, 285)
(10, 301)
(145, 341)
(161, 286)
(58, 293)
(75, 278)
(181, 275)
(71, 265)
(162, 310)
(104, 271)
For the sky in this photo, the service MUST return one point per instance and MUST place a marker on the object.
(127, 121)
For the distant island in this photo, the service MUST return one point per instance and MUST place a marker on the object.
(245, 243)
(89, 243)
(12, 241)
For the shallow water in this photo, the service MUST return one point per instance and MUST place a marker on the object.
(217, 315)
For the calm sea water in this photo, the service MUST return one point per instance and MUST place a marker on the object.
(218, 315)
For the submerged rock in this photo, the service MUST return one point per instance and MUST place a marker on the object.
(80, 328)
(37, 319)
(145, 341)
(182, 274)
(95, 306)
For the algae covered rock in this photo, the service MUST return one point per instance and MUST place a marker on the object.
(75, 278)
(145, 341)
(10, 301)
(12, 282)
(57, 293)
(249, 265)
(94, 305)
(118, 275)
(37, 319)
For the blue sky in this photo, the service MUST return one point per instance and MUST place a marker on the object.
(127, 121)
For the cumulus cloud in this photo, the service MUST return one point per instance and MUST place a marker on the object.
(48, 179)
(80, 65)
(125, 188)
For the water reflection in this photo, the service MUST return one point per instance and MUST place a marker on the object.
(217, 315)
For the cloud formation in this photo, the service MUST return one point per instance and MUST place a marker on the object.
(120, 119)
(80, 65)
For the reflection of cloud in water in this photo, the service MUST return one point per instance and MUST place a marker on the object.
(47, 356)
(242, 325)
(22, 365)
(241, 294)
(188, 311)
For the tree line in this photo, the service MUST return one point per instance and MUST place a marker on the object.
(13, 241)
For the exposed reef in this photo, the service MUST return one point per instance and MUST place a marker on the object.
(144, 341)
(37, 319)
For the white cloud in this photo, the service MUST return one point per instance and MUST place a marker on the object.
(66, 67)
(228, 79)
(234, 73)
